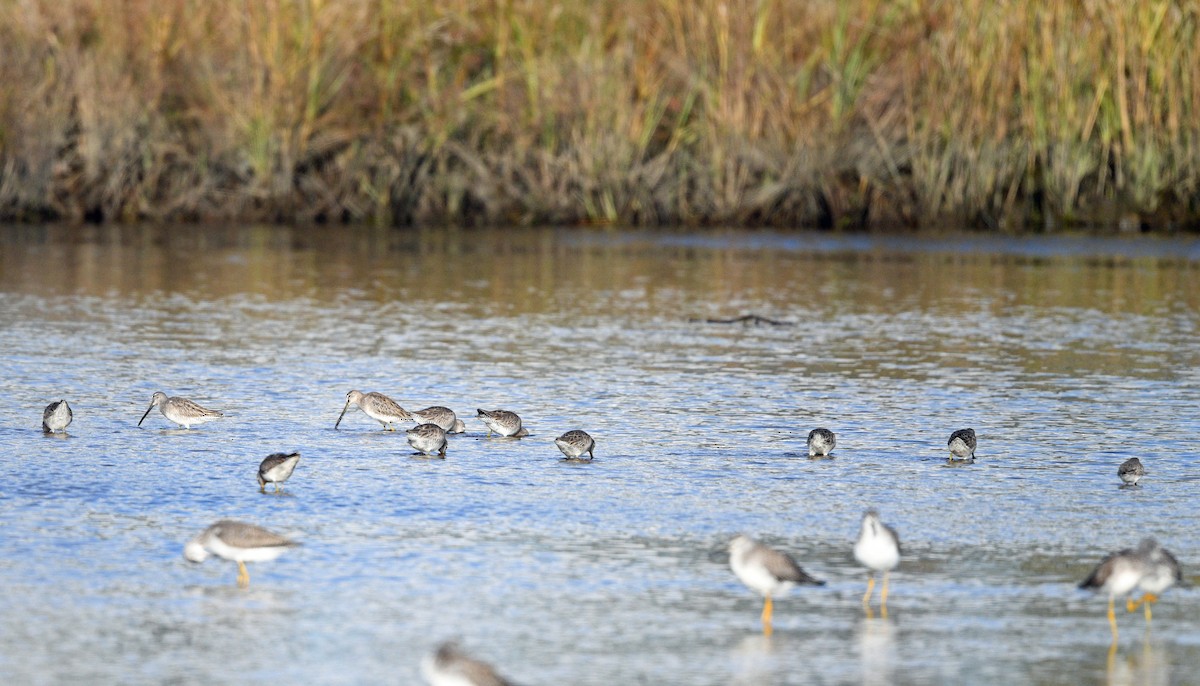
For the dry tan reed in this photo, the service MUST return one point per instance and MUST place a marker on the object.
(1010, 115)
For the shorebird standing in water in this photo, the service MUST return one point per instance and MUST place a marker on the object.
(1162, 572)
(575, 443)
(877, 549)
(56, 417)
(1119, 573)
(503, 422)
(237, 542)
(962, 444)
(429, 439)
(386, 411)
(766, 571)
(181, 411)
(450, 666)
(821, 442)
(1131, 471)
(276, 468)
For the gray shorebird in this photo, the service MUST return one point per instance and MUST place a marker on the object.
(442, 416)
(962, 444)
(503, 422)
(877, 549)
(767, 572)
(276, 468)
(575, 443)
(377, 406)
(238, 542)
(180, 411)
(1162, 572)
(1131, 471)
(56, 417)
(821, 442)
(1119, 573)
(450, 666)
(429, 439)
(458, 428)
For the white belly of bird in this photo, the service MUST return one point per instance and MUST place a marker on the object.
(959, 447)
(186, 419)
(1123, 580)
(571, 450)
(228, 552)
(1156, 582)
(281, 472)
(877, 553)
(758, 578)
(446, 423)
(500, 428)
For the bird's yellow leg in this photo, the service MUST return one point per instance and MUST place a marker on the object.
(1148, 613)
(1112, 620)
(766, 616)
(243, 575)
(1131, 604)
(262, 488)
(883, 596)
(870, 589)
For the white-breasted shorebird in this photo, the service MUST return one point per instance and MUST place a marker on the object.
(962, 444)
(429, 439)
(181, 411)
(1118, 574)
(821, 442)
(766, 571)
(238, 542)
(575, 443)
(877, 549)
(56, 417)
(1131, 471)
(503, 422)
(276, 468)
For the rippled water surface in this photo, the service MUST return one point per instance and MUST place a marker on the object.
(1067, 356)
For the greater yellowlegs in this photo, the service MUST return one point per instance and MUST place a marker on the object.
(276, 468)
(1131, 471)
(377, 406)
(181, 411)
(877, 549)
(428, 438)
(962, 444)
(503, 422)
(575, 443)
(1162, 572)
(450, 666)
(56, 417)
(766, 571)
(1118, 574)
(821, 442)
(238, 542)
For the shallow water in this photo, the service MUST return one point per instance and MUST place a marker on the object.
(1066, 355)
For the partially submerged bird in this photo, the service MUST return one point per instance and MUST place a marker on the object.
(428, 438)
(450, 666)
(503, 422)
(766, 571)
(877, 549)
(1119, 573)
(377, 406)
(181, 411)
(1131, 471)
(276, 468)
(821, 442)
(1162, 572)
(56, 417)
(238, 542)
(575, 443)
(458, 428)
(962, 444)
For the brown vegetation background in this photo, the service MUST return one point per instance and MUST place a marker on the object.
(1002, 115)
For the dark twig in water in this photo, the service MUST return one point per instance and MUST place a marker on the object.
(744, 319)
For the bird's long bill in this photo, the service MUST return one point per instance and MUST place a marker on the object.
(146, 415)
(343, 414)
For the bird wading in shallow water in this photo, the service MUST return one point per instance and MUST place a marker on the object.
(377, 406)
(821, 442)
(1131, 471)
(962, 444)
(766, 571)
(877, 549)
(181, 411)
(1162, 572)
(575, 443)
(503, 422)
(56, 417)
(238, 542)
(1119, 574)
(276, 469)
(429, 439)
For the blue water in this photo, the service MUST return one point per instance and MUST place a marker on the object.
(1066, 355)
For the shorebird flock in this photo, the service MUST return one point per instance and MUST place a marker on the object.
(769, 572)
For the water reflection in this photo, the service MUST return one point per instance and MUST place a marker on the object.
(1147, 663)
(876, 637)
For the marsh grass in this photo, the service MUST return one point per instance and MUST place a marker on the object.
(1009, 116)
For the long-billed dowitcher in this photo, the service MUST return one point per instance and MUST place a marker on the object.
(276, 468)
(503, 422)
(377, 406)
(821, 442)
(428, 438)
(450, 666)
(962, 444)
(766, 571)
(877, 549)
(238, 542)
(1119, 573)
(181, 411)
(441, 416)
(56, 417)
(1131, 471)
(575, 443)
(1162, 572)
